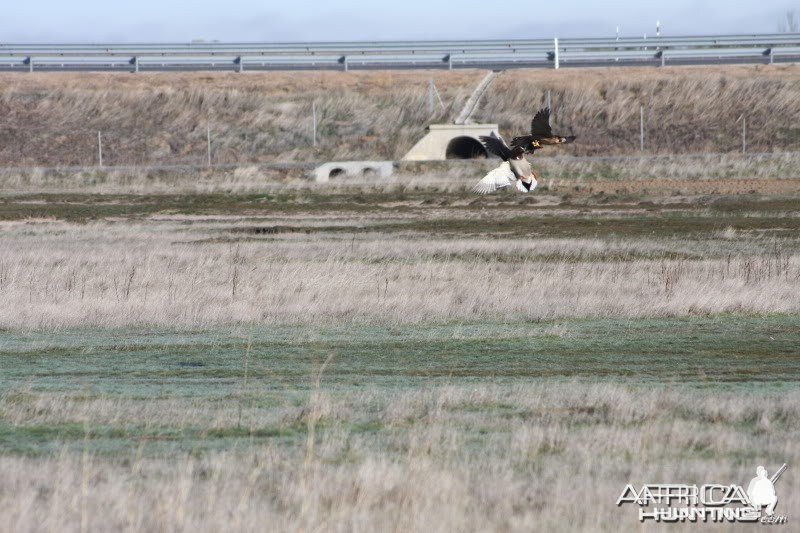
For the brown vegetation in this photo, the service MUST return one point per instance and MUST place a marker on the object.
(657, 176)
(687, 110)
(549, 456)
(53, 119)
(401, 262)
(494, 363)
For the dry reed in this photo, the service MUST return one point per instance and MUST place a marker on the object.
(55, 275)
(561, 457)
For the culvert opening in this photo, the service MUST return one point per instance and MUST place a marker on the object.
(465, 148)
(336, 172)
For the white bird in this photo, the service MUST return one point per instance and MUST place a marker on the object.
(514, 170)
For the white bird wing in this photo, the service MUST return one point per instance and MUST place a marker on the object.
(498, 178)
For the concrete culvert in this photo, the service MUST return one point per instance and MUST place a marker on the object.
(465, 148)
(336, 172)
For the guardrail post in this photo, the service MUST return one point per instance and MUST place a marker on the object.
(30, 64)
(240, 61)
(770, 56)
(555, 47)
(135, 62)
(450, 61)
(345, 64)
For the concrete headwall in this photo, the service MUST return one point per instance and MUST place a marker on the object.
(451, 141)
(352, 169)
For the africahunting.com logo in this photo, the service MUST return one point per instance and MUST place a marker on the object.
(708, 503)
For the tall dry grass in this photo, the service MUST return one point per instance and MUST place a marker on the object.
(686, 109)
(447, 457)
(55, 275)
(53, 119)
(770, 174)
(50, 121)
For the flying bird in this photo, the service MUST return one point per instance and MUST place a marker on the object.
(514, 170)
(541, 132)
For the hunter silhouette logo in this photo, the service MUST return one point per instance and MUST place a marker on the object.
(761, 490)
(675, 502)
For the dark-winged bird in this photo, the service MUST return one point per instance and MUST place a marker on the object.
(541, 132)
(514, 170)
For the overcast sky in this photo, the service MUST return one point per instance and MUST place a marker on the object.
(317, 20)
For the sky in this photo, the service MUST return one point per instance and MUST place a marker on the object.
(51, 21)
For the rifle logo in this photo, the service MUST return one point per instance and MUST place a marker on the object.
(679, 502)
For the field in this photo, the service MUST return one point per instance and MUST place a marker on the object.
(241, 349)
(237, 348)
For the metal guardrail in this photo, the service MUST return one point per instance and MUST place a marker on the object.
(544, 53)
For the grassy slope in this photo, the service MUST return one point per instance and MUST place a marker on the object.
(686, 109)
(52, 119)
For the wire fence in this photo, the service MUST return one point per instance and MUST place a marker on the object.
(315, 138)
(122, 148)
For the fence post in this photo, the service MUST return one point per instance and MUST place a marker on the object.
(641, 128)
(549, 105)
(744, 134)
(208, 141)
(99, 149)
(555, 47)
(314, 121)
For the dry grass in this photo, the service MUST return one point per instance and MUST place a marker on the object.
(687, 109)
(144, 427)
(449, 457)
(55, 275)
(52, 119)
(771, 174)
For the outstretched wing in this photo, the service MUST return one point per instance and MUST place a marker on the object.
(540, 125)
(499, 178)
(497, 146)
(524, 142)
